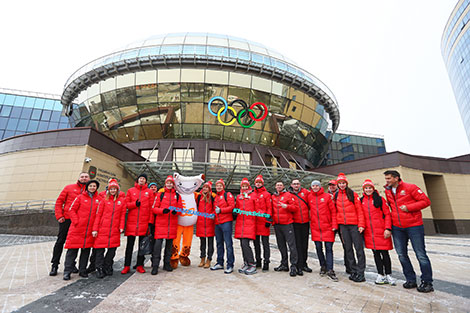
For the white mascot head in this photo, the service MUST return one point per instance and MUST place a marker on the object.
(186, 186)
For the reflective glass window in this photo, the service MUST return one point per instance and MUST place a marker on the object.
(177, 49)
(152, 156)
(126, 96)
(12, 123)
(153, 131)
(184, 158)
(9, 133)
(17, 133)
(218, 51)
(9, 99)
(2, 98)
(57, 106)
(39, 103)
(6, 110)
(3, 122)
(109, 100)
(64, 125)
(169, 92)
(192, 113)
(19, 101)
(16, 112)
(192, 92)
(29, 102)
(146, 93)
(46, 115)
(193, 49)
(49, 104)
(2, 134)
(215, 91)
(22, 125)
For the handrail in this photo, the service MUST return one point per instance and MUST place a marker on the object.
(45, 204)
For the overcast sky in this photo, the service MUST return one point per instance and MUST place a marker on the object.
(381, 59)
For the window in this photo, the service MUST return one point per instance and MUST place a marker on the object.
(229, 159)
(184, 158)
(151, 157)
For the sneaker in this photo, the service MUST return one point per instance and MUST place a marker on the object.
(243, 269)
(90, 269)
(66, 276)
(281, 268)
(228, 270)
(293, 271)
(216, 267)
(322, 271)
(390, 280)
(331, 275)
(359, 278)
(251, 269)
(75, 270)
(352, 276)
(425, 287)
(380, 280)
(307, 269)
(83, 274)
(100, 273)
(140, 269)
(409, 285)
(300, 272)
(125, 270)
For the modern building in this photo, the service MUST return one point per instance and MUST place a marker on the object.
(455, 48)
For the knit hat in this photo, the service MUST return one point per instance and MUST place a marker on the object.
(113, 183)
(220, 181)
(208, 184)
(341, 176)
(315, 183)
(368, 182)
(259, 178)
(152, 184)
(244, 182)
(170, 178)
(92, 181)
(332, 182)
(142, 175)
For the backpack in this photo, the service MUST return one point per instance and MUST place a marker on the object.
(162, 194)
(336, 197)
(198, 199)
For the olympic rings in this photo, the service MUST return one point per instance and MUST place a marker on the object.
(227, 108)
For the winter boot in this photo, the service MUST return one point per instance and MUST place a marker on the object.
(265, 266)
(203, 261)
(208, 263)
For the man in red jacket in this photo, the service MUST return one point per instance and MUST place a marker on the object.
(62, 205)
(407, 201)
(263, 205)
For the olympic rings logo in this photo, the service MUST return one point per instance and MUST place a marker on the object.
(241, 114)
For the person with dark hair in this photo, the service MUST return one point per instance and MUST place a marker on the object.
(263, 224)
(82, 214)
(378, 231)
(62, 206)
(406, 202)
(350, 218)
(205, 227)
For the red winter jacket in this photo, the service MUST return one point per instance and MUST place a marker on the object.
(414, 199)
(245, 226)
(226, 207)
(348, 213)
(322, 216)
(263, 205)
(110, 218)
(138, 217)
(65, 199)
(302, 215)
(166, 224)
(205, 227)
(283, 215)
(82, 214)
(122, 195)
(377, 220)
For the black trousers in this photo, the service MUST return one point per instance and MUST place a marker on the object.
(301, 231)
(210, 247)
(382, 262)
(285, 233)
(352, 237)
(130, 250)
(157, 252)
(59, 244)
(247, 253)
(346, 264)
(72, 255)
(266, 248)
(103, 261)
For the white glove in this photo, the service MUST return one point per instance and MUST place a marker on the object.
(217, 210)
(283, 205)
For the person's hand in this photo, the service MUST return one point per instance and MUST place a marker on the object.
(387, 234)
(217, 210)
(333, 229)
(361, 229)
(94, 233)
(166, 211)
(61, 220)
(404, 208)
(121, 230)
(267, 224)
(283, 205)
(137, 203)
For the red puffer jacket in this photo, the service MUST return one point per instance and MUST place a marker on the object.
(65, 199)
(82, 214)
(226, 207)
(414, 199)
(283, 215)
(122, 195)
(302, 215)
(322, 216)
(348, 213)
(245, 226)
(377, 220)
(205, 227)
(110, 218)
(138, 217)
(166, 224)
(263, 205)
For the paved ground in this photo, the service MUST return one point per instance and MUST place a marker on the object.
(26, 287)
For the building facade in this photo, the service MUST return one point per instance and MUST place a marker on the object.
(455, 48)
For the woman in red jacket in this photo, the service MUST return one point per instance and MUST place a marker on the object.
(107, 228)
(263, 205)
(351, 223)
(323, 226)
(205, 227)
(378, 232)
(245, 226)
(82, 215)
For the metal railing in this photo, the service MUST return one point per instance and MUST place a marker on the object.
(47, 204)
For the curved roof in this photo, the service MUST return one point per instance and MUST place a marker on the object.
(203, 50)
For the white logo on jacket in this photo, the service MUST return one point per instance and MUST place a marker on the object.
(402, 192)
(322, 200)
(119, 202)
(419, 190)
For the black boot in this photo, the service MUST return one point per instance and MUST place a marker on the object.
(66, 276)
(307, 269)
(266, 266)
(91, 268)
(258, 263)
(293, 271)
(75, 269)
(100, 273)
(83, 274)
(155, 270)
(167, 267)
(281, 268)
(54, 269)
(108, 271)
(299, 272)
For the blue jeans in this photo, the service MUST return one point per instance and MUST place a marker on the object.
(223, 234)
(328, 263)
(416, 235)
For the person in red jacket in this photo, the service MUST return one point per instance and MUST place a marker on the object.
(378, 231)
(323, 226)
(82, 214)
(165, 208)
(350, 218)
(263, 205)
(139, 200)
(406, 202)
(224, 204)
(205, 227)
(154, 188)
(284, 206)
(107, 228)
(301, 225)
(62, 205)
(245, 226)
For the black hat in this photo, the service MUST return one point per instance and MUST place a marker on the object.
(92, 181)
(142, 175)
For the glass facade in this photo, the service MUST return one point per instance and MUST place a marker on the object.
(455, 48)
(25, 112)
(347, 147)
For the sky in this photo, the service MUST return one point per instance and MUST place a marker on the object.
(381, 59)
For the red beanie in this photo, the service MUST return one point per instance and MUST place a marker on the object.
(170, 178)
(341, 176)
(332, 182)
(208, 184)
(259, 178)
(113, 183)
(220, 181)
(368, 182)
(245, 181)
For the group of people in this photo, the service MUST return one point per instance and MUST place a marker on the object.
(88, 219)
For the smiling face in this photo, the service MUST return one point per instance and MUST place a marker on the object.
(368, 190)
(153, 188)
(316, 188)
(279, 186)
(92, 187)
(187, 184)
(113, 191)
(342, 184)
